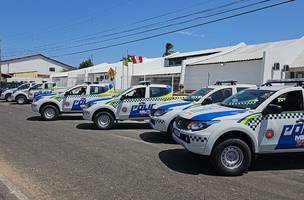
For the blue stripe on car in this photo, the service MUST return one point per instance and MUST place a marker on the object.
(166, 107)
(213, 115)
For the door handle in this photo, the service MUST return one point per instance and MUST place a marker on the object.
(300, 121)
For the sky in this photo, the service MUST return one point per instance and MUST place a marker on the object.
(59, 27)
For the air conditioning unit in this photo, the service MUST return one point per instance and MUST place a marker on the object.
(276, 66)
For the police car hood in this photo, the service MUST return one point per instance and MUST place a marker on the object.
(213, 112)
(173, 104)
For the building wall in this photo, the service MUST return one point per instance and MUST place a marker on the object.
(249, 72)
(284, 55)
(34, 64)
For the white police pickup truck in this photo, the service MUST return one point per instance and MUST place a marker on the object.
(26, 95)
(163, 115)
(70, 101)
(269, 119)
(134, 103)
(7, 94)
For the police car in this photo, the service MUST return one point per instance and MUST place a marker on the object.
(134, 103)
(269, 119)
(7, 94)
(71, 101)
(163, 115)
(26, 95)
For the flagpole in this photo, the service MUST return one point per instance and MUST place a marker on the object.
(123, 75)
(127, 70)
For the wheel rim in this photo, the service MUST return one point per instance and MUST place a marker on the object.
(49, 113)
(9, 98)
(20, 100)
(232, 157)
(103, 120)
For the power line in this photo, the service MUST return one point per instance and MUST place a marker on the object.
(162, 27)
(176, 30)
(56, 48)
(78, 39)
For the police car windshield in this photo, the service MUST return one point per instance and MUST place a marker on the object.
(196, 95)
(250, 98)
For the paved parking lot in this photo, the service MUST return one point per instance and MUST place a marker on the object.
(68, 159)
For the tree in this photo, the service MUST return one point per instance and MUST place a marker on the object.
(168, 49)
(86, 63)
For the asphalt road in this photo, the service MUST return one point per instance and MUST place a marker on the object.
(68, 159)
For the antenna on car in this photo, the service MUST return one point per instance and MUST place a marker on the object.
(231, 82)
(145, 82)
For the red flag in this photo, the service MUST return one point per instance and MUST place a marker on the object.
(133, 59)
(140, 59)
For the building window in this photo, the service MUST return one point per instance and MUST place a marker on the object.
(276, 67)
(174, 62)
(52, 69)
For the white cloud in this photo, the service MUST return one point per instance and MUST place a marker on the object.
(191, 34)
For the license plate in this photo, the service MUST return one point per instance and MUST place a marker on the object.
(176, 132)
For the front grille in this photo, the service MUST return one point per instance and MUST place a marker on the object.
(182, 123)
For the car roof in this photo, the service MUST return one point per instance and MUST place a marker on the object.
(277, 87)
(229, 86)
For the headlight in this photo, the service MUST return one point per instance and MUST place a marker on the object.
(200, 125)
(159, 112)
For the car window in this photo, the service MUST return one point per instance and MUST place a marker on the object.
(221, 95)
(198, 94)
(22, 87)
(238, 89)
(290, 101)
(36, 87)
(97, 90)
(136, 93)
(82, 90)
(159, 91)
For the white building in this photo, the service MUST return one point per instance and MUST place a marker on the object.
(253, 64)
(32, 67)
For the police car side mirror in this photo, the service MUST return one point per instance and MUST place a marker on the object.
(272, 109)
(122, 97)
(66, 94)
(207, 101)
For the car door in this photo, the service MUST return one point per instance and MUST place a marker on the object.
(75, 99)
(283, 131)
(133, 104)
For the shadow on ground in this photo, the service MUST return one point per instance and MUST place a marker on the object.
(65, 117)
(118, 126)
(157, 138)
(182, 161)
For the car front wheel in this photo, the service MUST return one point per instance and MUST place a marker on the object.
(21, 99)
(8, 97)
(231, 157)
(104, 120)
(49, 113)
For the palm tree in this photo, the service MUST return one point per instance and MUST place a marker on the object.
(168, 49)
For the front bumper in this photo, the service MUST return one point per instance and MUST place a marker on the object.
(2, 96)
(35, 107)
(87, 115)
(195, 143)
(158, 124)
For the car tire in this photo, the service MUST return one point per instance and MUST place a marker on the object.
(104, 120)
(49, 113)
(231, 157)
(8, 97)
(21, 99)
